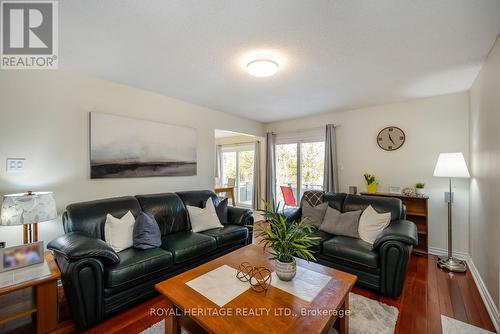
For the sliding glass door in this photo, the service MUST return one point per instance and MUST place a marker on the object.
(237, 171)
(299, 167)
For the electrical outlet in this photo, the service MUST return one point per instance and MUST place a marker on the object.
(15, 165)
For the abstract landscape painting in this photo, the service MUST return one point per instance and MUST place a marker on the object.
(126, 147)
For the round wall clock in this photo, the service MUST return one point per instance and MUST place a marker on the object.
(391, 138)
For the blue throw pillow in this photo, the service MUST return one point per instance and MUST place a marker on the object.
(146, 232)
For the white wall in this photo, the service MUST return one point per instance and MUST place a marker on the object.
(431, 125)
(44, 118)
(485, 164)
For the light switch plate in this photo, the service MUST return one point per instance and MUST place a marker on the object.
(15, 165)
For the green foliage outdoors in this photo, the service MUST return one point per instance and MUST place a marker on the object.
(246, 166)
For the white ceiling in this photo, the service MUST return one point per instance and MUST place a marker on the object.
(334, 55)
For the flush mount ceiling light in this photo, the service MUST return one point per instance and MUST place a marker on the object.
(262, 67)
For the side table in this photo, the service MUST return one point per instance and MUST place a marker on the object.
(43, 304)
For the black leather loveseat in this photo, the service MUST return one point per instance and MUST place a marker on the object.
(382, 266)
(99, 282)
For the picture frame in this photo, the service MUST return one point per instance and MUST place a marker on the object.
(21, 256)
(395, 190)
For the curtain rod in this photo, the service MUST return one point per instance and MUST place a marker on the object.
(303, 130)
(240, 143)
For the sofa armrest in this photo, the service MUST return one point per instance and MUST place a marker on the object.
(394, 259)
(399, 230)
(292, 214)
(74, 246)
(83, 282)
(239, 216)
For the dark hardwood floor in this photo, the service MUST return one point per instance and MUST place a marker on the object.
(428, 293)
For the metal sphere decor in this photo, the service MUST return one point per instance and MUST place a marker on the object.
(258, 277)
(261, 279)
(244, 273)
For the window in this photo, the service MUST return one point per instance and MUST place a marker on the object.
(299, 167)
(237, 167)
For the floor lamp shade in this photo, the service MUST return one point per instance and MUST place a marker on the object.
(451, 165)
(28, 208)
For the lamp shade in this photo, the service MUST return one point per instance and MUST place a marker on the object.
(28, 208)
(451, 165)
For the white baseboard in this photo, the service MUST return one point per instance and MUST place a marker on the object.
(483, 291)
(485, 295)
(443, 252)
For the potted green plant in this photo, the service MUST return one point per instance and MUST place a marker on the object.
(286, 240)
(371, 183)
(420, 188)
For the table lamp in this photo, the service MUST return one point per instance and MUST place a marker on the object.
(451, 165)
(28, 209)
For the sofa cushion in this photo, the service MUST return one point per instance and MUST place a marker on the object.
(187, 245)
(168, 210)
(335, 200)
(314, 215)
(323, 236)
(147, 233)
(118, 232)
(229, 234)
(351, 250)
(372, 223)
(222, 211)
(203, 219)
(89, 217)
(136, 264)
(198, 197)
(380, 204)
(312, 197)
(339, 223)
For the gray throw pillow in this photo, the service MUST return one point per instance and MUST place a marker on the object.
(146, 232)
(313, 215)
(338, 223)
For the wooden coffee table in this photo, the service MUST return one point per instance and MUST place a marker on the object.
(275, 305)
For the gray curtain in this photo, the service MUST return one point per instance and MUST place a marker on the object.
(331, 179)
(218, 161)
(256, 199)
(270, 167)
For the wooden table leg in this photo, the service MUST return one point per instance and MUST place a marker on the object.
(232, 197)
(344, 321)
(172, 320)
(46, 305)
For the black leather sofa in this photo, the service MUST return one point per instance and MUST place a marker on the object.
(99, 282)
(382, 266)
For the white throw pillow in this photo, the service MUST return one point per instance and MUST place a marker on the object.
(372, 223)
(203, 219)
(119, 232)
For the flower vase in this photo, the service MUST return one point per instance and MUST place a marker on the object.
(372, 188)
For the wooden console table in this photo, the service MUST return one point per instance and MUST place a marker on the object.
(43, 304)
(417, 211)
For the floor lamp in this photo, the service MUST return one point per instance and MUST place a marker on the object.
(451, 165)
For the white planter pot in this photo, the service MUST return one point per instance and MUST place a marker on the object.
(285, 270)
(420, 191)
